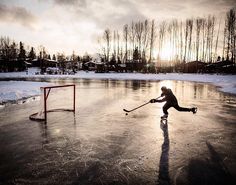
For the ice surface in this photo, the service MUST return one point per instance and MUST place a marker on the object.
(100, 145)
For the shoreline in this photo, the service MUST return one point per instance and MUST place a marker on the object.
(223, 83)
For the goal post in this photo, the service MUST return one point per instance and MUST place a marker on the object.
(53, 99)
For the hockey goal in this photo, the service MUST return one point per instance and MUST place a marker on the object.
(54, 99)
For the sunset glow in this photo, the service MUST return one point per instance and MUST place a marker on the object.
(166, 52)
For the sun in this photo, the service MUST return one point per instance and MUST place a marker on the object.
(166, 52)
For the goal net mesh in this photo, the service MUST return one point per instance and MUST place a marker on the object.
(53, 99)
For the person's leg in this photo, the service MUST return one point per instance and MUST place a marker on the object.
(166, 107)
(182, 109)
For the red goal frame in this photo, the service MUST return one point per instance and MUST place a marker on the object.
(46, 92)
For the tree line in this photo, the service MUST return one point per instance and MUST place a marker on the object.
(17, 57)
(195, 39)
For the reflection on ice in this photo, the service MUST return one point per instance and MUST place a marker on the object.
(163, 177)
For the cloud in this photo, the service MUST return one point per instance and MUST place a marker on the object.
(116, 13)
(81, 3)
(18, 15)
(76, 24)
(230, 3)
(104, 13)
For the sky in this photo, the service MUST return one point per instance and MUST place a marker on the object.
(75, 25)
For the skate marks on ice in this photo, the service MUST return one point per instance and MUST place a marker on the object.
(110, 163)
(210, 170)
(163, 177)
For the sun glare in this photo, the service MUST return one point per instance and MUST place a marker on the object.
(166, 52)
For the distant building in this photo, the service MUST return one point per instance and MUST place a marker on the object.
(221, 67)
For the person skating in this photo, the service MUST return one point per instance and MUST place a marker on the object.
(171, 101)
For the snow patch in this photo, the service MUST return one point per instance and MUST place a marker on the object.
(16, 90)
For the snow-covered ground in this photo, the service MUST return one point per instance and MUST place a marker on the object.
(14, 90)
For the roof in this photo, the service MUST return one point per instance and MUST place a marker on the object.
(94, 62)
(53, 61)
(27, 63)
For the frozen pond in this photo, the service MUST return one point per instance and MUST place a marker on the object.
(99, 144)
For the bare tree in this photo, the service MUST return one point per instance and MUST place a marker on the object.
(175, 39)
(224, 39)
(213, 19)
(169, 29)
(107, 38)
(217, 40)
(132, 37)
(152, 38)
(125, 35)
(203, 39)
(5, 44)
(118, 45)
(199, 23)
(145, 39)
(190, 27)
(230, 34)
(162, 32)
(181, 40)
(186, 40)
(114, 44)
(42, 52)
(139, 27)
(210, 35)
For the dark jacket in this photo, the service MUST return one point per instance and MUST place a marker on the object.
(169, 97)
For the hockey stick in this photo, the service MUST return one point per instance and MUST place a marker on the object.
(138, 106)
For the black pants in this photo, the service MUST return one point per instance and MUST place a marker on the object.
(176, 106)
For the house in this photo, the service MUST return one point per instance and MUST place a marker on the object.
(50, 63)
(194, 67)
(190, 67)
(95, 64)
(225, 66)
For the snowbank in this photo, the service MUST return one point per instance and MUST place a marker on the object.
(16, 90)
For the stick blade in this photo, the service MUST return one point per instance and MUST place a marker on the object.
(126, 110)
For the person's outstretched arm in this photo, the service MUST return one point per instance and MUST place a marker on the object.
(156, 100)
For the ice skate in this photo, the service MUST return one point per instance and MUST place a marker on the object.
(165, 116)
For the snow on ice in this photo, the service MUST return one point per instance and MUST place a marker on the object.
(16, 90)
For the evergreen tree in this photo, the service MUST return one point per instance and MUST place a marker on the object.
(21, 58)
(54, 57)
(62, 61)
(12, 54)
(22, 54)
(113, 60)
(136, 55)
(32, 54)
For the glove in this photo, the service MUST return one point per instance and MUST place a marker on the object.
(152, 101)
